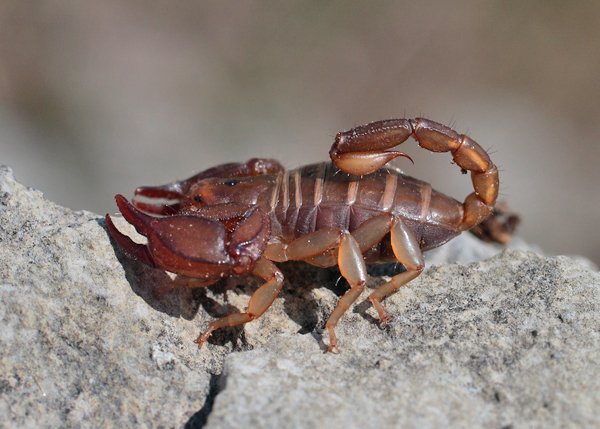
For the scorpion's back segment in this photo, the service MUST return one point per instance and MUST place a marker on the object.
(240, 218)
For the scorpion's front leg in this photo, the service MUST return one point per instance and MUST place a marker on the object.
(260, 301)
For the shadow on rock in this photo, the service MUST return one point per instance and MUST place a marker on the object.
(376, 271)
(299, 303)
(156, 287)
(301, 278)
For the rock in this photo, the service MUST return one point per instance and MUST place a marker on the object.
(512, 341)
(88, 340)
(82, 342)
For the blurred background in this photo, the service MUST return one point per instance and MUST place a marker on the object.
(100, 97)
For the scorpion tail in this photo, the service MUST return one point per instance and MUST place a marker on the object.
(364, 149)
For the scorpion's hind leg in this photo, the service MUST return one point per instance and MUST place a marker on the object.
(407, 251)
(260, 301)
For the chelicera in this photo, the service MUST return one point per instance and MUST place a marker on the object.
(243, 218)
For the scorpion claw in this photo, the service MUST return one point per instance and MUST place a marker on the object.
(172, 242)
(130, 247)
(135, 250)
(229, 247)
(139, 220)
(161, 200)
(168, 191)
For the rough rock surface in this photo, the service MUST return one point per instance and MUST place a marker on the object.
(512, 341)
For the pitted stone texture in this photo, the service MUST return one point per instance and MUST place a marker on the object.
(513, 341)
(81, 344)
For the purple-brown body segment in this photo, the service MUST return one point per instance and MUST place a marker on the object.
(321, 196)
(240, 218)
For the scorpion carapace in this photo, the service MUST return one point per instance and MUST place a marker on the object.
(240, 218)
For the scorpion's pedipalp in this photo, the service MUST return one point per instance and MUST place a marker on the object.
(157, 209)
(166, 199)
(131, 248)
(168, 191)
(221, 212)
(179, 235)
(185, 244)
(250, 237)
(140, 221)
(160, 200)
(189, 238)
(178, 189)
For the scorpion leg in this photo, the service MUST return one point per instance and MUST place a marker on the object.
(368, 234)
(352, 265)
(318, 247)
(353, 268)
(372, 231)
(407, 251)
(305, 247)
(349, 258)
(260, 301)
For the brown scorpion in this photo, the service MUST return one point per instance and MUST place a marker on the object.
(240, 218)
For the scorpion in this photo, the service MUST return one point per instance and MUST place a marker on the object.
(242, 218)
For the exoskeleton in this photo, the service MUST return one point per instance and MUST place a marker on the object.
(242, 218)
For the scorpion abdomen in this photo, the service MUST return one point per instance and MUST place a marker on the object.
(320, 196)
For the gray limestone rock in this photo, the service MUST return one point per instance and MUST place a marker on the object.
(88, 340)
(513, 341)
(82, 341)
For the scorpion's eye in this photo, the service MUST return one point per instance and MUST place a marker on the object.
(232, 182)
(198, 198)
